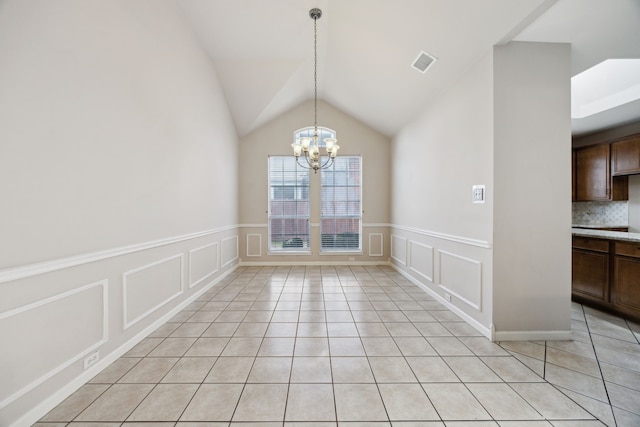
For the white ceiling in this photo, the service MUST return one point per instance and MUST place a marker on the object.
(263, 50)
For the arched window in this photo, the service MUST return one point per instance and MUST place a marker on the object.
(308, 131)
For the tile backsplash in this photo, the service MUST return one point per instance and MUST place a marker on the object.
(601, 213)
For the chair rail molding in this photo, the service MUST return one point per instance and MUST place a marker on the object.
(35, 269)
(458, 239)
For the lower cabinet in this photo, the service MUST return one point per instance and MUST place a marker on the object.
(590, 269)
(625, 293)
(606, 274)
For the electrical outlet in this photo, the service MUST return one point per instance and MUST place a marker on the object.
(447, 296)
(92, 359)
(351, 259)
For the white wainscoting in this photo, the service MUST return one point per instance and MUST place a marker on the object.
(420, 260)
(461, 277)
(453, 269)
(399, 249)
(51, 321)
(376, 244)
(254, 245)
(230, 250)
(203, 263)
(63, 328)
(147, 288)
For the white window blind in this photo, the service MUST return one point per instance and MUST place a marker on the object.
(288, 205)
(341, 205)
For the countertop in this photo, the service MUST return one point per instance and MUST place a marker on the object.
(599, 226)
(603, 234)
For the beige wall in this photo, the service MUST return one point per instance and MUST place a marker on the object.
(275, 138)
(532, 206)
(118, 176)
(439, 237)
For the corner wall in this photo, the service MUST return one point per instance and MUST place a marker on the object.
(505, 265)
(118, 172)
(532, 207)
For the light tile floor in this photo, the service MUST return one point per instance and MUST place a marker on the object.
(355, 346)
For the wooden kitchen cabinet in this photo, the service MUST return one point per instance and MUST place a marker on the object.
(590, 266)
(626, 156)
(625, 291)
(594, 181)
(573, 176)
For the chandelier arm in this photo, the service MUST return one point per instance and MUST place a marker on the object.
(328, 163)
(309, 165)
(302, 165)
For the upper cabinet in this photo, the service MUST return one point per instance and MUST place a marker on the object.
(573, 176)
(594, 180)
(626, 156)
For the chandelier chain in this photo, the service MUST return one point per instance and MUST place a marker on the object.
(309, 147)
(315, 74)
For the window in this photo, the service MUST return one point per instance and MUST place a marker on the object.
(340, 202)
(341, 211)
(288, 205)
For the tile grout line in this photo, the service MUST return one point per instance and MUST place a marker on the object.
(359, 276)
(606, 390)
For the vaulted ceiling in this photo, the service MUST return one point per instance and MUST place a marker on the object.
(263, 50)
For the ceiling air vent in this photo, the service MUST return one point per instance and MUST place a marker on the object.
(423, 62)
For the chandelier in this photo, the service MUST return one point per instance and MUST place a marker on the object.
(308, 147)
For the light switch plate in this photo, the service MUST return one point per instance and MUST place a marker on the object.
(477, 195)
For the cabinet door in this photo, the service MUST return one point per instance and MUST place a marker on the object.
(592, 173)
(573, 176)
(625, 294)
(626, 156)
(590, 274)
(593, 176)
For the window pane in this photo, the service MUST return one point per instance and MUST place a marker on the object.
(341, 211)
(288, 204)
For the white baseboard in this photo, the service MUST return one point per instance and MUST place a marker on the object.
(309, 263)
(59, 396)
(533, 335)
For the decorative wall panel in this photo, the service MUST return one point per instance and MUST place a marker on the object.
(421, 260)
(203, 263)
(149, 287)
(254, 245)
(64, 327)
(399, 249)
(461, 277)
(229, 250)
(376, 244)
